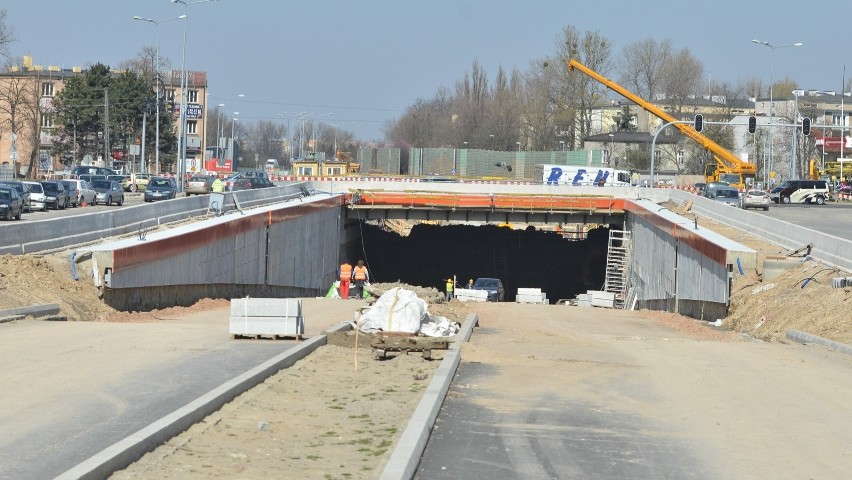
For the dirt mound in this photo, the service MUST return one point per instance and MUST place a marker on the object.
(32, 280)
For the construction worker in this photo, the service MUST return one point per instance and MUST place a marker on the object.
(218, 185)
(450, 285)
(345, 275)
(360, 275)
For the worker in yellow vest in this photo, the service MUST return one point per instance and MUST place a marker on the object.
(450, 288)
(218, 186)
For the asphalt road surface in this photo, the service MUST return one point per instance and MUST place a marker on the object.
(556, 392)
(832, 218)
(71, 389)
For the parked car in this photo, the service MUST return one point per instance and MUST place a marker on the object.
(89, 170)
(756, 199)
(11, 204)
(91, 178)
(727, 195)
(710, 188)
(199, 185)
(136, 182)
(699, 187)
(260, 182)
(238, 184)
(494, 287)
(232, 178)
(108, 192)
(160, 188)
(801, 191)
(80, 191)
(36, 196)
(55, 194)
(23, 191)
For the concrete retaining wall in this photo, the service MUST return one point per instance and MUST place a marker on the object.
(680, 268)
(831, 250)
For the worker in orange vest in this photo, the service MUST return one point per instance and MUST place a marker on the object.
(345, 275)
(360, 275)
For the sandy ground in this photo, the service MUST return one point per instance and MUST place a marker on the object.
(335, 414)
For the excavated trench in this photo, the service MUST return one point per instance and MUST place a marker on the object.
(528, 258)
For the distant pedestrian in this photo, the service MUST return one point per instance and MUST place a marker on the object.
(361, 276)
(345, 275)
(470, 284)
(450, 289)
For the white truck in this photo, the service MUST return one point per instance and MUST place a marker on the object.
(581, 175)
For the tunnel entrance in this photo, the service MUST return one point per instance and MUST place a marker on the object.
(529, 258)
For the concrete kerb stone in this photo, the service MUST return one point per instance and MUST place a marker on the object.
(406, 456)
(807, 338)
(33, 311)
(130, 449)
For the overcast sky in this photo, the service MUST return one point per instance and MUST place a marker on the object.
(366, 61)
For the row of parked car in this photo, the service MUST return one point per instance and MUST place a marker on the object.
(17, 197)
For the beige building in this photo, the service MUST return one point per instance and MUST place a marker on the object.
(27, 129)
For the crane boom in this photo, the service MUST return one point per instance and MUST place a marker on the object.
(725, 161)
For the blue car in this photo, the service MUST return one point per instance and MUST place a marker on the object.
(160, 188)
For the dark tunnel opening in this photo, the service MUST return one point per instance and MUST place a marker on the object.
(529, 258)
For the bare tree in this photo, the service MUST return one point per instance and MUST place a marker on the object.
(21, 114)
(642, 64)
(7, 34)
(681, 79)
(578, 94)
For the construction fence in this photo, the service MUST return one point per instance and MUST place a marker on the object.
(469, 163)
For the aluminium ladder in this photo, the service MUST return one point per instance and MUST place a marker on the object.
(617, 265)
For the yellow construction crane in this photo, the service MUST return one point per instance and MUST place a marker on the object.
(725, 167)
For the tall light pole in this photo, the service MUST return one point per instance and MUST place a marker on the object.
(218, 136)
(771, 80)
(233, 140)
(157, 84)
(183, 94)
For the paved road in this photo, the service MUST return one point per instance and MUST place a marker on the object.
(556, 392)
(70, 389)
(832, 218)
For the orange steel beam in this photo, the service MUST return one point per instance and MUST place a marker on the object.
(484, 201)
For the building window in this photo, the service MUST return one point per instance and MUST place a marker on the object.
(47, 121)
(334, 171)
(306, 171)
(192, 96)
(191, 126)
(170, 93)
(47, 89)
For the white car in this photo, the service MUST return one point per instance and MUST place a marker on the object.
(37, 196)
(85, 194)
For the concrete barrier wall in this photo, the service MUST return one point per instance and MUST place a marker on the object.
(830, 249)
(30, 237)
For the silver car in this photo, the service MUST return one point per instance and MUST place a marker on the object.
(756, 199)
(727, 195)
(37, 197)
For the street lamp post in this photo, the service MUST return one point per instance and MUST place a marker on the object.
(771, 80)
(218, 136)
(233, 138)
(157, 84)
(183, 94)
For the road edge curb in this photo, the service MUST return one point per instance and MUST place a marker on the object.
(807, 338)
(405, 458)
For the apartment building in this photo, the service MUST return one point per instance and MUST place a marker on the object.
(27, 129)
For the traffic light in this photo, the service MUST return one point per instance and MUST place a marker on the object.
(752, 124)
(806, 126)
(699, 122)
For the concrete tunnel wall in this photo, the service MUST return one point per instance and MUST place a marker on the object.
(286, 249)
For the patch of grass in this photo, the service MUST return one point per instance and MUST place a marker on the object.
(335, 407)
(360, 441)
(355, 417)
(313, 457)
(330, 433)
